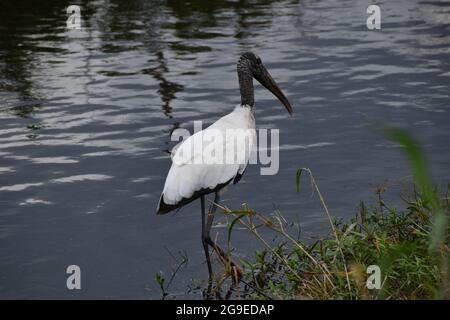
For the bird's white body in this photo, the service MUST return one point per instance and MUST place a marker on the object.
(195, 168)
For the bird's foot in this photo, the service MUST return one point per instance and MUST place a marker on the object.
(232, 268)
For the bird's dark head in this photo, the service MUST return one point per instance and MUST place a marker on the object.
(250, 64)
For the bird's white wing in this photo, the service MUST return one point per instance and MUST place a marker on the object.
(208, 159)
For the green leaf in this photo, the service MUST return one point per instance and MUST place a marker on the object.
(297, 179)
(230, 228)
(423, 180)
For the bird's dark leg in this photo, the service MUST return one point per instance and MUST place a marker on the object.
(205, 236)
(211, 213)
(237, 271)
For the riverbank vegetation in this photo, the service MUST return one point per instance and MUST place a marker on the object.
(398, 242)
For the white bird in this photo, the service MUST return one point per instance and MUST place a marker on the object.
(197, 166)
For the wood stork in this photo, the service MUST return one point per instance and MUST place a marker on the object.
(189, 180)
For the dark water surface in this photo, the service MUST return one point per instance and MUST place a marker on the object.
(86, 117)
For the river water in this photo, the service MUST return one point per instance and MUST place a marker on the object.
(86, 117)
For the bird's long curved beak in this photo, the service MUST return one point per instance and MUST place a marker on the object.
(267, 81)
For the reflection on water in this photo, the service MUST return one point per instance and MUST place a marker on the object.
(86, 117)
(167, 89)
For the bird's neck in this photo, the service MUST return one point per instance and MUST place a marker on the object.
(246, 85)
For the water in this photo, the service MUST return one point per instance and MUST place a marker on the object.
(86, 117)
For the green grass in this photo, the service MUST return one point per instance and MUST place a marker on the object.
(335, 267)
